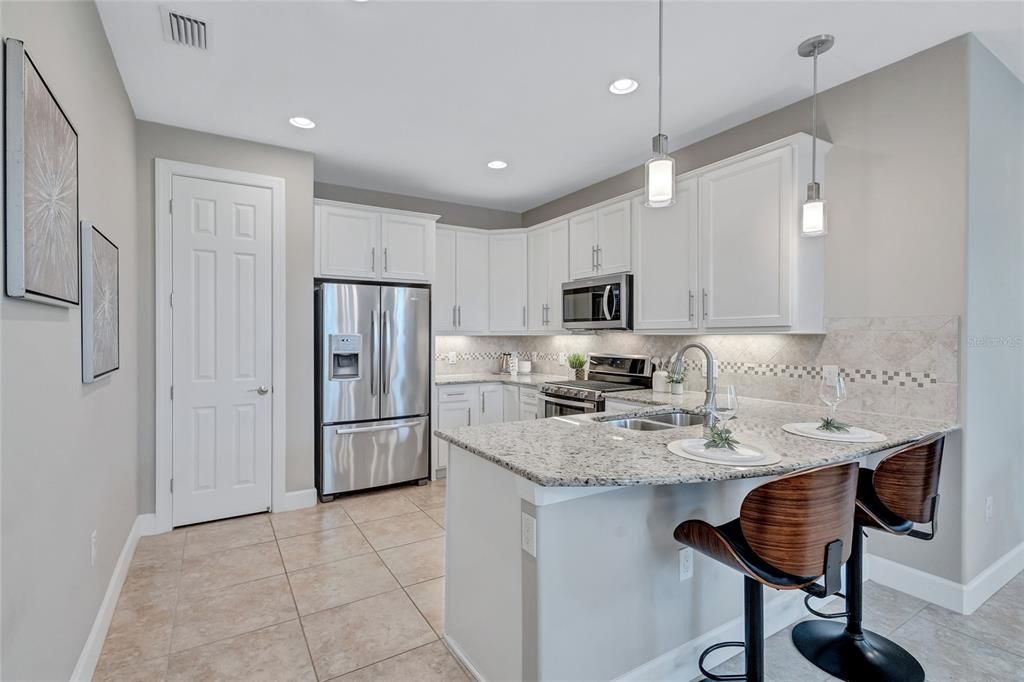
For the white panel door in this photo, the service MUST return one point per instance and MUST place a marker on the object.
(583, 245)
(348, 242)
(613, 230)
(444, 298)
(665, 278)
(558, 272)
(408, 248)
(508, 282)
(747, 217)
(472, 282)
(537, 289)
(221, 350)
(491, 404)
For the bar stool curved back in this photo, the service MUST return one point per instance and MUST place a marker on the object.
(790, 532)
(903, 489)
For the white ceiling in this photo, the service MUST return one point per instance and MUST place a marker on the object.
(415, 97)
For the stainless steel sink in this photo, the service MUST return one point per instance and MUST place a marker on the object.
(637, 424)
(676, 418)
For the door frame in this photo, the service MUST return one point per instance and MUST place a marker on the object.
(164, 172)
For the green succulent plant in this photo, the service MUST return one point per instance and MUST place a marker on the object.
(721, 437)
(833, 425)
(577, 360)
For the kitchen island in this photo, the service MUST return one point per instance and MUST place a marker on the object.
(561, 563)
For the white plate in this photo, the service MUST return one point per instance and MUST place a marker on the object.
(744, 456)
(854, 435)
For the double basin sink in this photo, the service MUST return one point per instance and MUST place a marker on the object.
(656, 422)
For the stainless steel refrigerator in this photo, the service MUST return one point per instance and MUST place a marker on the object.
(373, 385)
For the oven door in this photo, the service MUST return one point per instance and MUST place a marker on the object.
(598, 303)
(566, 407)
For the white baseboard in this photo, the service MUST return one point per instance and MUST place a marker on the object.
(947, 593)
(463, 659)
(145, 524)
(297, 499)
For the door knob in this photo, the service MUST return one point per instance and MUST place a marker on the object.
(262, 390)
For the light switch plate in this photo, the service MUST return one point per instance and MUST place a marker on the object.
(529, 528)
(451, 357)
(685, 563)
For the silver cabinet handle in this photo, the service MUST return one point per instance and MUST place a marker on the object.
(704, 307)
(385, 259)
(373, 258)
(385, 351)
(604, 302)
(524, 315)
(593, 257)
(469, 416)
(691, 303)
(600, 258)
(374, 344)
(454, 323)
(483, 403)
(262, 390)
(449, 395)
(460, 316)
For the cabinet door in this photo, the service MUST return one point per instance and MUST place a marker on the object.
(528, 403)
(491, 404)
(583, 245)
(613, 245)
(665, 279)
(510, 403)
(444, 300)
(537, 289)
(558, 272)
(408, 248)
(349, 241)
(451, 414)
(472, 282)
(508, 282)
(747, 217)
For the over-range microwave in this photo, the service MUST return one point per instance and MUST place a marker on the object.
(598, 303)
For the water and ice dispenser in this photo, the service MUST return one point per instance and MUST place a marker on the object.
(345, 351)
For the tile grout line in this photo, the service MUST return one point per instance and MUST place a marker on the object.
(298, 615)
(965, 634)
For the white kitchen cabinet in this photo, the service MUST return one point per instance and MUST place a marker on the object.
(548, 267)
(528, 403)
(408, 244)
(747, 220)
(347, 242)
(491, 402)
(460, 295)
(600, 241)
(510, 403)
(457, 405)
(360, 242)
(665, 284)
(508, 282)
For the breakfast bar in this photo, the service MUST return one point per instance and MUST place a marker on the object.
(561, 564)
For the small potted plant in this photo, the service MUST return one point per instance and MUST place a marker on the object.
(577, 361)
(675, 382)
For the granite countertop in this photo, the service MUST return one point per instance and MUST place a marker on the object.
(490, 378)
(579, 451)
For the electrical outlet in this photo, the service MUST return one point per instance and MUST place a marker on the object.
(704, 368)
(830, 373)
(989, 508)
(685, 563)
(451, 357)
(529, 534)
(563, 358)
(92, 549)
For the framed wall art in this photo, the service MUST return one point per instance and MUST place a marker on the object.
(100, 305)
(41, 187)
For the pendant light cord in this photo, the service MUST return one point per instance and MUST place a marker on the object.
(661, 33)
(814, 121)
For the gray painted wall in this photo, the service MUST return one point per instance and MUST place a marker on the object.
(993, 365)
(160, 141)
(451, 214)
(69, 450)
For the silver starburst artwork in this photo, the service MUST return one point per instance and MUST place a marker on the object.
(100, 351)
(42, 188)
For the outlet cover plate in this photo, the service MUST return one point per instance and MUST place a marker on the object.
(451, 357)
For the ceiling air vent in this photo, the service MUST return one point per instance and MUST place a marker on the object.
(183, 30)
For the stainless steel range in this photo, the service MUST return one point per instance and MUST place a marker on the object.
(606, 373)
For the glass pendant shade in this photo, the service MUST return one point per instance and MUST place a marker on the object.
(812, 222)
(660, 174)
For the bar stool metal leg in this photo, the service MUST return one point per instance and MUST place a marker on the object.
(850, 652)
(753, 623)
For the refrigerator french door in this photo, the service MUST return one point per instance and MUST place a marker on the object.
(373, 385)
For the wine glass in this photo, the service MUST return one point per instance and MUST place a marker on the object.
(832, 392)
(727, 403)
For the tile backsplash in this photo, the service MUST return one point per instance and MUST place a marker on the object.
(892, 365)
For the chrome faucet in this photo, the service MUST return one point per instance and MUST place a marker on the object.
(710, 408)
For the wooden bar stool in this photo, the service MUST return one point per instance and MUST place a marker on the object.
(790, 532)
(901, 491)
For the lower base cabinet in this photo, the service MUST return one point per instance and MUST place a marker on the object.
(466, 405)
(510, 403)
(528, 403)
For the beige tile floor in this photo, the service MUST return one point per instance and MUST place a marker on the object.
(353, 590)
(350, 590)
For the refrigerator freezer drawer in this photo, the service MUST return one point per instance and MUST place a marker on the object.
(366, 455)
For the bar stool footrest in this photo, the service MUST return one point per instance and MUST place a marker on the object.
(713, 648)
(821, 614)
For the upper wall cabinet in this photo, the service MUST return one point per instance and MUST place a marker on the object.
(508, 291)
(360, 242)
(599, 241)
(461, 283)
(548, 267)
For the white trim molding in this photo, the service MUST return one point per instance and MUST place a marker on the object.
(164, 171)
(297, 499)
(90, 655)
(961, 598)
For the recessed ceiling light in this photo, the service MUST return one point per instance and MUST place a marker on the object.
(497, 164)
(301, 122)
(623, 86)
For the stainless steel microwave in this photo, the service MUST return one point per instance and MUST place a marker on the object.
(598, 303)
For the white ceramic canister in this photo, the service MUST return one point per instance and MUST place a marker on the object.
(659, 381)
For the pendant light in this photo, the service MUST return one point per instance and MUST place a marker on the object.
(812, 222)
(660, 170)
